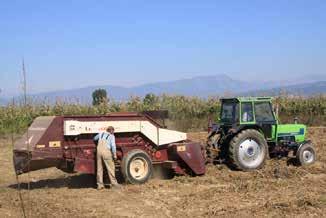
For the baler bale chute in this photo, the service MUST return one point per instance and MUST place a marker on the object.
(66, 142)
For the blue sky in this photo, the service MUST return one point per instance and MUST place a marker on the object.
(68, 44)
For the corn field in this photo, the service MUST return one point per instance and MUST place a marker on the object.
(185, 113)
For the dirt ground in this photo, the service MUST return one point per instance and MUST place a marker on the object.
(277, 190)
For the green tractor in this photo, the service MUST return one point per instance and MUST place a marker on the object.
(248, 132)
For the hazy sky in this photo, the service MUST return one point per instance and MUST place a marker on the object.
(68, 44)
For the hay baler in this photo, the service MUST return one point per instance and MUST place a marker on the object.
(66, 142)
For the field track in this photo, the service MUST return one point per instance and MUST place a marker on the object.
(278, 190)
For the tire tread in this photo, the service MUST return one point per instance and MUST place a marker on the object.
(235, 141)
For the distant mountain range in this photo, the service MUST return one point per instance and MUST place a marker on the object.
(202, 86)
(3, 101)
(304, 89)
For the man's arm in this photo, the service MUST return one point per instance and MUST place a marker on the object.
(113, 147)
(96, 137)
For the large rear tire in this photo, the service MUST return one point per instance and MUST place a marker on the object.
(136, 167)
(248, 150)
(211, 149)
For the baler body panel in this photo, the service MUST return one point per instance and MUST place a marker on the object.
(190, 154)
(40, 147)
(66, 142)
(157, 135)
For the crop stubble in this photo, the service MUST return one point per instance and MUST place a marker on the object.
(276, 190)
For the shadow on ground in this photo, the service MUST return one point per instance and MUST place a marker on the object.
(79, 181)
(73, 182)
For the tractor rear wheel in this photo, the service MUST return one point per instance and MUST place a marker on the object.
(136, 167)
(306, 154)
(248, 150)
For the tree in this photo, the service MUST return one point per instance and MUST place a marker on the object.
(99, 97)
(151, 102)
(134, 104)
(149, 99)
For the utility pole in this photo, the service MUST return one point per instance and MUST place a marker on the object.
(27, 137)
(24, 83)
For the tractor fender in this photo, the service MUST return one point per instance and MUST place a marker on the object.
(243, 127)
(302, 143)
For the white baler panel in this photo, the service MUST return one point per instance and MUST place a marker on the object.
(157, 135)
(167, 136)
(150, 131)
(73, 127)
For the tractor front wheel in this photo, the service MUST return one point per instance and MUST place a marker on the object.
(306, 154)
(248, 150)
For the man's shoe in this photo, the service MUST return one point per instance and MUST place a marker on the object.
(100, 187)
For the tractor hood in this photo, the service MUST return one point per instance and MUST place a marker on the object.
(296, 130)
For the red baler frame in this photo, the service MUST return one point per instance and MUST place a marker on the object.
(49, 147)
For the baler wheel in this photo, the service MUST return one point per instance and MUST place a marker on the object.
(248, 150)
(136, 167)
(306, 154)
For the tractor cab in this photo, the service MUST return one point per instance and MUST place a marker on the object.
(248, 112)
